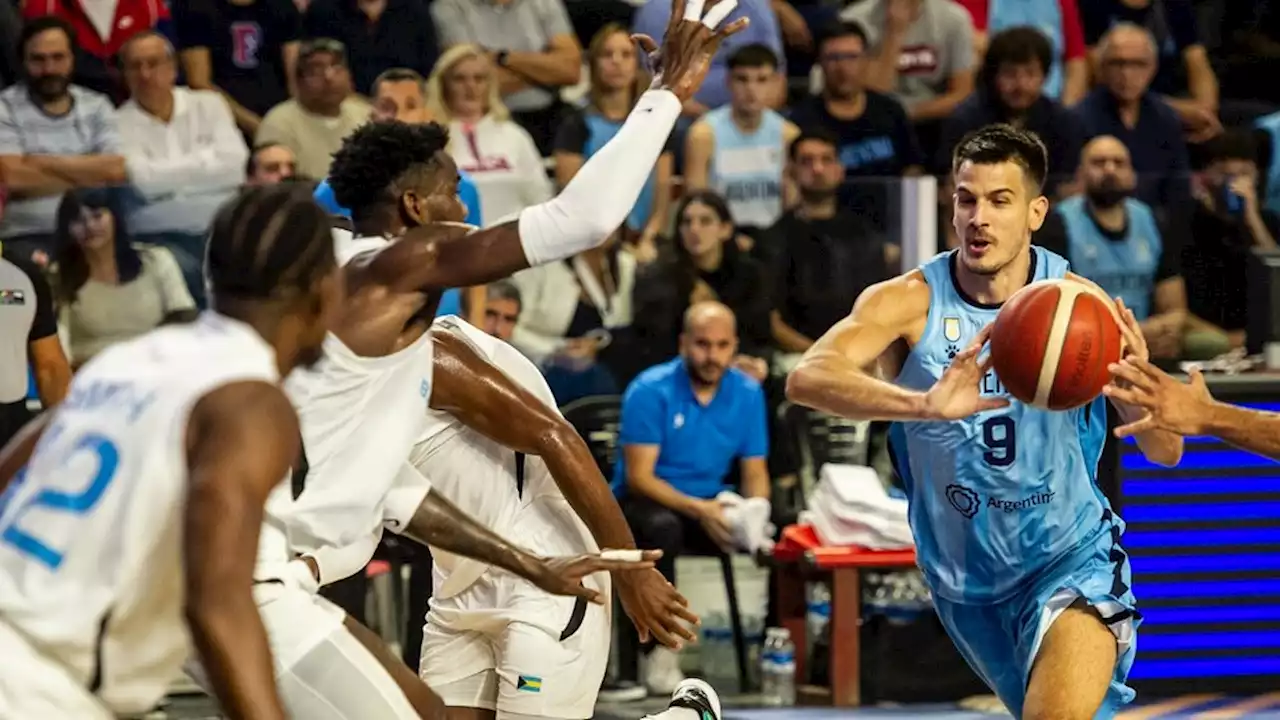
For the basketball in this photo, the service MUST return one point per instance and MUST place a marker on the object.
(1052, 342)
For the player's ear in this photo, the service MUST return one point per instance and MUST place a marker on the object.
(412, 209)
(1039, 211)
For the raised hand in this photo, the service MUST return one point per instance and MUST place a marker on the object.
(958, 393)
(1161, 402)
(563, 575)
(691, 41)
(656, 608)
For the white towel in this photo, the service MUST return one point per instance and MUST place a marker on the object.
(749, 520)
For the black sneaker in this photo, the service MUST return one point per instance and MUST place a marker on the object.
(697, 695)
(621, 691)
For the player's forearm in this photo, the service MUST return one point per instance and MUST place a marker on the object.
(232, 643)
(440, 523)
(84, 170)
(1251, 430)
(837, 387)
(579, 479)
(662, 492)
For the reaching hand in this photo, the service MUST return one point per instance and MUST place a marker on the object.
(563, 575)
(958, 393)
(691, 40)
(1163, 402)
(655, 607)
(711, 515)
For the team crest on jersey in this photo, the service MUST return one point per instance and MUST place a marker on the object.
(951, 329)
(529, 683)
(13, 297)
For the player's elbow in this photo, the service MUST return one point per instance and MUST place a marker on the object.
(1165, 451)
(802, 385)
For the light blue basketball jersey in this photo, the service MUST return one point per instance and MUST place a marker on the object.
(600, 130)
(998, 497)
(1124, 268)
(747, 169)
(1271, 124)
(1043, 15)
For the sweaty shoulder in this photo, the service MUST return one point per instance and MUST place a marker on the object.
(901, 302)
(252, 417)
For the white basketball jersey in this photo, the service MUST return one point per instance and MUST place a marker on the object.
(507, 492)
(359, 418)
(91, 534)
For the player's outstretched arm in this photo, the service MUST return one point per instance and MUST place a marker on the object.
(242, 439)
(1188, 409)
(598, 199)
(17, 452)
(486, 400)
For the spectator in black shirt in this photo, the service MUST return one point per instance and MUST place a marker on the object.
(1228, 223)
(379, 34)
(825, 255)
(1010, 90)
(245, 49)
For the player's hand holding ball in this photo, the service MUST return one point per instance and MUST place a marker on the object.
(958, 393)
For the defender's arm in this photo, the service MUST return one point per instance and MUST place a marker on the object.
(482, 396)
(243, 438)
(836, 374)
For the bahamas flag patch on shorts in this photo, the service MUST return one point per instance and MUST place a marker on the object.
(529, 683)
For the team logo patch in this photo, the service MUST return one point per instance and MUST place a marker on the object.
(951, 329)
(13, 297)
(964, 500)
(529, 683)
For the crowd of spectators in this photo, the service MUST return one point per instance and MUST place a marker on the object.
(126, 123)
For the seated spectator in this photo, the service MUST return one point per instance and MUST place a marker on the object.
(569, 313)
(181, 147)
(270, 163)
(652, 17)
(1228, 223)
(876, 138)
(533, 47)
(617, 81)
(1010, 90)
(921, 53)
(1182, 76)
(378, 34)
(31, 341)
(502, 306)
(101, 30)
(1066, 75)
(487, 144)
(247, 50)
(705, 264)
(824, 255)
(1126, 108)
(54, 136)
(325, 111)
(109, 289)
(1117, 242)
(683, 424)
(737, 149)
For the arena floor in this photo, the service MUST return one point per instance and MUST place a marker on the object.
(1196, 707)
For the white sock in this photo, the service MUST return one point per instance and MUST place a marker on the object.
(675, 714)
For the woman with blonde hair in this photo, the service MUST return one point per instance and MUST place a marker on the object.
(498, 154)
(617, 79)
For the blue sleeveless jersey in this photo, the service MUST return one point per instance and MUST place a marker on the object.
(1043, 15)
(998, 497)
(1125, 268)
(747, 168)
(1271, 124)
(600, 130)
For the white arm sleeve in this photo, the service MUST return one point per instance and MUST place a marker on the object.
(407, 493)
(596, 202)
(339, 563)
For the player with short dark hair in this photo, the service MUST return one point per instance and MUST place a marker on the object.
(133, 508)
(1018, 545)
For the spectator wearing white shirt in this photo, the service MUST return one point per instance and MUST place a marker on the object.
(499, 155)
(182, 150)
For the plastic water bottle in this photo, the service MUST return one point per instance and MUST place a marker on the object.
(778, 669)
(716, 646)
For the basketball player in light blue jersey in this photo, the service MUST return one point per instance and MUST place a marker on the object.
(1018, 545)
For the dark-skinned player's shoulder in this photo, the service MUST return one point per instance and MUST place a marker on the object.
(245, 422)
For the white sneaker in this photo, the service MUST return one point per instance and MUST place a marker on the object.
(698, 696)
(662, 671)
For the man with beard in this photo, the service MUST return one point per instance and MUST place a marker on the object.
(1116, 241)
(683, 423)
(54, 136)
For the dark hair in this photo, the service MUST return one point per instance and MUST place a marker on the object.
(1232, 145)
(753, 56)
(711, 199)
(1015, 46)
(251, 166)
(377, 158)
(841, 29)
(816, 134)
(267, 241)
(1001, 143)
(400, 74)
(73, 266)
(44, 23)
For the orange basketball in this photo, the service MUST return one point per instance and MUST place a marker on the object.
(1052, 342)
